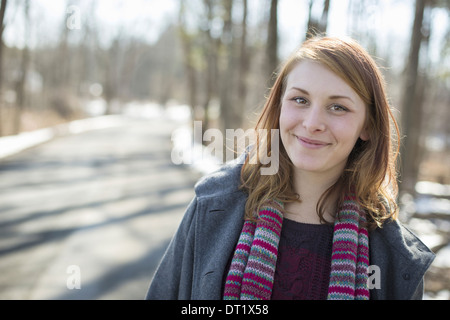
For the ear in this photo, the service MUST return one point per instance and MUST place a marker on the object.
(364, 135)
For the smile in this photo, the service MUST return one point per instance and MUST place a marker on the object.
(312, 144)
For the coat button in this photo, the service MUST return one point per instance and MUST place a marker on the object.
(406, 276)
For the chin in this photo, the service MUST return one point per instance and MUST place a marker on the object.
(320, 168)
(307, 167)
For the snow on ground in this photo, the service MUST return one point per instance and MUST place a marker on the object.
(182, 140)
(14, 144)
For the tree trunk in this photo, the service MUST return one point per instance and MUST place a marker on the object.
(243, 66)
(412, 106)
(226, 105)
(317, 26)
(20, 84)
(2, 28)
(210, 55)
(186, 43)
(323, 24)
(272, 42)
(226, 84)
(311, 26)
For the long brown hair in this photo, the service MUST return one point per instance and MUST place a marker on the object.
(370, 172)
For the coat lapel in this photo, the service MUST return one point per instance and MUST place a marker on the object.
(400, 259)
(219, 227)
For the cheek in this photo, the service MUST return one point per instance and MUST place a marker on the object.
(346, 133)
(284, 125)
(287, 118)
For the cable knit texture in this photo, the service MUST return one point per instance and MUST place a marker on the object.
(252, 269)
(303, 261)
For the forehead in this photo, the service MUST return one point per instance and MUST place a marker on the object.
(315, 76)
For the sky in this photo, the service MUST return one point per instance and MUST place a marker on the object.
(390, 19)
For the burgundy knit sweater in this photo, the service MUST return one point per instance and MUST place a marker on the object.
(304, 262)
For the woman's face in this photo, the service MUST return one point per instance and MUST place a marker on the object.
(321, 119)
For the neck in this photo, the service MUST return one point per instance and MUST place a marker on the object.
(311, 186)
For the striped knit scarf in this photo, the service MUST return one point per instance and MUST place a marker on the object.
(252, 268)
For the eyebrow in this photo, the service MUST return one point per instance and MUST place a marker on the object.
(331, 97)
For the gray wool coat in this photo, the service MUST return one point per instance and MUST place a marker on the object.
(194, 265)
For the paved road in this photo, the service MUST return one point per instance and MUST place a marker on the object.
(94, 210)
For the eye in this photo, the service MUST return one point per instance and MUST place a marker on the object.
(338, 108)
(300, 100)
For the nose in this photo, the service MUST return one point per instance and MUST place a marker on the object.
(314, 120)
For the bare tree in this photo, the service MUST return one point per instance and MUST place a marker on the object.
(25, 60)
(188, 57)
(317, 25)
(412, 105)
(272, 41)
(2, 28)
(244, 66)
(211, 56)
(226, 83)
(324, 18)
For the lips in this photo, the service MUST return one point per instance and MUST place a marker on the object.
(312, 144)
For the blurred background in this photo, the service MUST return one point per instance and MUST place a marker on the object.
(109, 84)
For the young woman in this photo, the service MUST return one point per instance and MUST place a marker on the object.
(324, 225)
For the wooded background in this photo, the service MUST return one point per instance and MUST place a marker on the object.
(218, 57)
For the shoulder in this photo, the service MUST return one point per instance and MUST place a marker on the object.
(394, 234)
(402, 260)
(225, 180)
